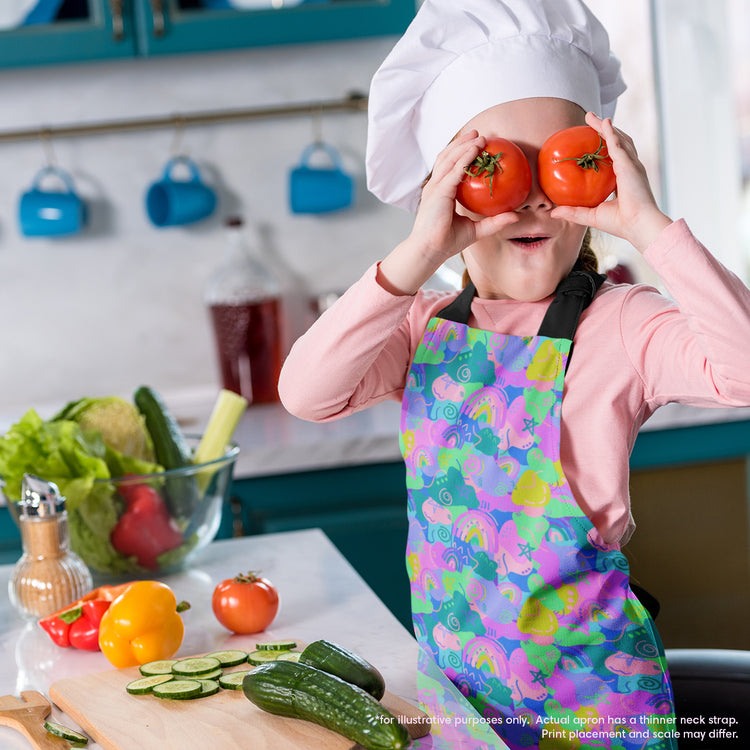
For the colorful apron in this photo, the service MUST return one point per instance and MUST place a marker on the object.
(514, 592)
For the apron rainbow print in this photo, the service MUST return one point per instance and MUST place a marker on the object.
(514, 592)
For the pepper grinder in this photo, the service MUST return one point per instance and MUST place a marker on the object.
(49, 575)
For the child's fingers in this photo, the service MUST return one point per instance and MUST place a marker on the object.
(575, 214)
(492, 224)
(457, 155)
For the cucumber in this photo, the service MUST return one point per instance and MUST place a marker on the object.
(336, 660)
(171, 449)
(262, 656)
(289, 656)
(162, 666)
(144, 685)
(297, 690)
(208, 687)
(196, 666)
(286, 645)
(178, 689)
(233, 680)
(230, 657)
(59, 730)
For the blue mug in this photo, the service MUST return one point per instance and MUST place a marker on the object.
(51, 213)
(315, 190)
(171, 202)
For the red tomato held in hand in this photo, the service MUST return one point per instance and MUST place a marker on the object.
(498, 180)
(575, 168)
(245, 604)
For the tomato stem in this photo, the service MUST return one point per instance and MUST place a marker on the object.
(249, 577)
(589, 161)
(485, 165)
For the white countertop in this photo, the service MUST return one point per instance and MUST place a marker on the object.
(321, 597)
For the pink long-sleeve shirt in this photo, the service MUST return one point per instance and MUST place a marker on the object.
(635, 350)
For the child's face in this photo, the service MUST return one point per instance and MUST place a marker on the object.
(504, 266)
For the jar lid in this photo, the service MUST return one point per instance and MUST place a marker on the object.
(39, 497)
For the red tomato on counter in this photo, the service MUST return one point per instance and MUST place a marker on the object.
(575, 168)
(498, 180)
(246, 603)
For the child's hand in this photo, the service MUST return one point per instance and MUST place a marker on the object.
(439, 232)
(632, 214)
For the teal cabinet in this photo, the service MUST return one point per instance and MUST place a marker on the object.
(362, 510)
(89, 32)
(10, 538)
(110, 29)
(204, 25)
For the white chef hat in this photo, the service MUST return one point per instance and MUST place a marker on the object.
(460, 57)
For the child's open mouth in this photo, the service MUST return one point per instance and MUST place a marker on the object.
(530, 242)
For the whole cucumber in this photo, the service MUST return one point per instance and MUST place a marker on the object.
(182, 493)
(297, 690)
(336, 660)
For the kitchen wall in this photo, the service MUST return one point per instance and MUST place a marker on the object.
(122, 305)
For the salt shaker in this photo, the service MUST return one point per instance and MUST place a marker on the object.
(48, 575)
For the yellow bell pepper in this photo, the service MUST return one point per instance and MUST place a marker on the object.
(142, 624)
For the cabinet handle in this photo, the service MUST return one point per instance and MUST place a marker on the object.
(118, 29)
(157, 16)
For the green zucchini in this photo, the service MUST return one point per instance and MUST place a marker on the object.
(297, 690)
(172, 451)
(336, 660)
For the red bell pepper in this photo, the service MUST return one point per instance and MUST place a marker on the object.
(145, 530)
(77, 624)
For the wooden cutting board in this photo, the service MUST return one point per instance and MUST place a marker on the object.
(116, 720)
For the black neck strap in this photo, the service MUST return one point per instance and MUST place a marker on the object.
(572, 296)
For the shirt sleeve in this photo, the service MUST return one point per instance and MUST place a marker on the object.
(355, 355)
(692, 348)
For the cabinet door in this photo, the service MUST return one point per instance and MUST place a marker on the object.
(70, 31)
(170, 26)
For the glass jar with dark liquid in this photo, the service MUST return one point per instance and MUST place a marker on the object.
(244, 301)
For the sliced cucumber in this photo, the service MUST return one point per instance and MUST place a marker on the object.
(163, 666)
(263, 656)
(285, 645)
(229, 658)
(145, 685)
(208, 687)
(233, 680)
(196, 666)
(214, 674)
(67, 734)
(289, 656)
(178, 689)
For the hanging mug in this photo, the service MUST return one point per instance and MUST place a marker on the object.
(315, 190)
(171, 202)
(51, 213)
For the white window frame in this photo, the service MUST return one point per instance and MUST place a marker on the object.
(701, 172)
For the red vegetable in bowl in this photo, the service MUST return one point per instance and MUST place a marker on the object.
(498, 180)
(146, 529)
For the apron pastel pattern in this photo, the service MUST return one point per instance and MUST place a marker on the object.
(515, 594)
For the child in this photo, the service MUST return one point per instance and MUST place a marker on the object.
(518, 494)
